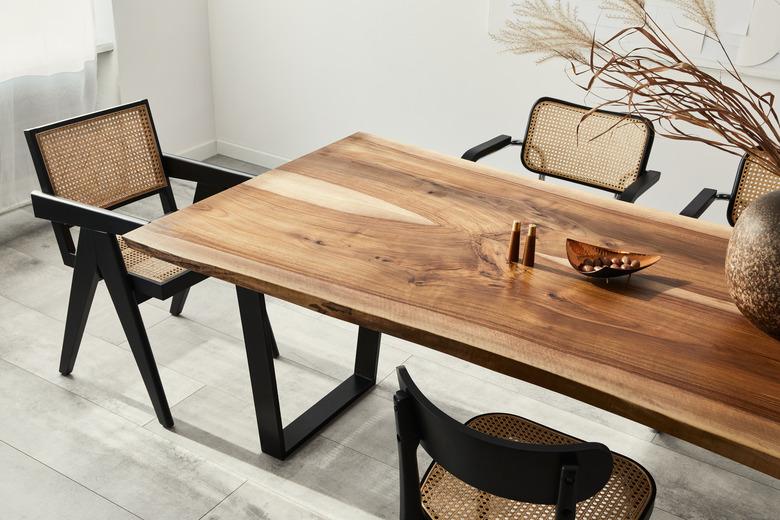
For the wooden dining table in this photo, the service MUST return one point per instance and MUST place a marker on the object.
(404, 241)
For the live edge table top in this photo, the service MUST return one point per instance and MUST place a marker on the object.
(413, 243)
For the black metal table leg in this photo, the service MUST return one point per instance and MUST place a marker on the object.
(259, 354)
(276, 440)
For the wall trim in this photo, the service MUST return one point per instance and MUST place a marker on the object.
(243, 153)
(200, 152)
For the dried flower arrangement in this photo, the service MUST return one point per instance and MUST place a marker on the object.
(642, 70)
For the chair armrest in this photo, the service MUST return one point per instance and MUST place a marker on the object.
(210, 179)
(643, 183)
(72, 213)
(486, 148)
(700, 203)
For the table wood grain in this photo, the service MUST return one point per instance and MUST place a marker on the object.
(413, 243)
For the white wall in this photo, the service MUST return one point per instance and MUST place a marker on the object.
(289, 77)
(163, 55)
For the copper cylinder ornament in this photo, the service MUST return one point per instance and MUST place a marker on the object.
(513, 253)
(529, 247)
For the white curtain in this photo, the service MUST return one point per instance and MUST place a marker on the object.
(47, 73)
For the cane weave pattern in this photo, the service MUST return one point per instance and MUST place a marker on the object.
(444, 497)
(603, 150)
(754, 182)
(104, 160)
(145, 266)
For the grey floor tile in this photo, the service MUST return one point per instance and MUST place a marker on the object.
(122, 462)
(686, 448)
(46, 288)
(253, 502)
(212, 303)
(528, 390)
(219, 361)
(335, 481)
(326, 344)
(368, 426)
(105, 374)
(659, 514)
(38, 242)
(320, 343)
(31, 491)
(17, 222)
(236, 164)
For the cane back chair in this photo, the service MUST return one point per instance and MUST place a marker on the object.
(88, 166)
(501, 466)
(752, 181)
(600, 149)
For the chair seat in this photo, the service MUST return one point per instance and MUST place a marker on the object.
(626, 496)
(145, 266)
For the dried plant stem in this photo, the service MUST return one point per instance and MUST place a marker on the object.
(654, 77)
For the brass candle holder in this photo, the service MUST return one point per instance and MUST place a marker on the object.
(529, 247)
(513, 253)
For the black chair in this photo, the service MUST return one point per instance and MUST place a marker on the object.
(88, 166)
(600, 149)
(501, 466)
(753, 180)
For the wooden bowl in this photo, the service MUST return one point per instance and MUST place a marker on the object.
(577, 252)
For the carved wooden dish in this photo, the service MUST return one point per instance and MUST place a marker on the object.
(578, 252)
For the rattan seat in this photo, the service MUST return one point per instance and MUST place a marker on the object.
(145, 266)
(445, 497)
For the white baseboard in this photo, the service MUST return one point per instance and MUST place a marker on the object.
(236, 151)
(201, 151)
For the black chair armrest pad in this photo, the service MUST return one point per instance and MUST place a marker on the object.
(643, 183)
(72, 213)
(481, 150)
(700, 203)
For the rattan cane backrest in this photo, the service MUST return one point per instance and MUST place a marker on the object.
(605, 150)
(753, 181)
(105, 159)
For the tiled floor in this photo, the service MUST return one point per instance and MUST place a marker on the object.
(88, 446)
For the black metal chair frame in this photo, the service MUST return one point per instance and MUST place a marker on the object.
(561, 474)
(644, 181)
(707, 196)
(98, 255)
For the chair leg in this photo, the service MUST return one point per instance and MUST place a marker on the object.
(177, 302)
(112, 268)
(82, 293)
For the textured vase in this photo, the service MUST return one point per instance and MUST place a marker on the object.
(753, 263)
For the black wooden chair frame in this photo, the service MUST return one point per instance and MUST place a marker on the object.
(98, 255)
(644, 181)
(542, 474)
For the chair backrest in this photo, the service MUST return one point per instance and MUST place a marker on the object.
(607, 150)
(753, 180)
(510, 469)
(101, 159)
(105, 159)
